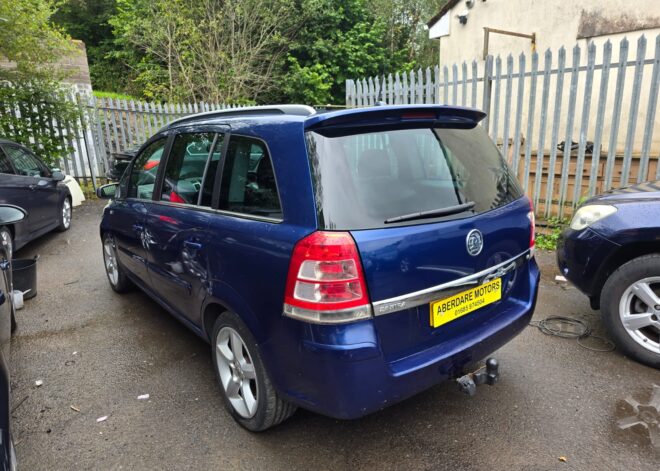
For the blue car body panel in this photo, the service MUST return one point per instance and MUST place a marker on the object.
(587, 256)
(189, 258)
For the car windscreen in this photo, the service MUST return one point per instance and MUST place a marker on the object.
(387, 178)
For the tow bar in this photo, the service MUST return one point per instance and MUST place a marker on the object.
(468, 383)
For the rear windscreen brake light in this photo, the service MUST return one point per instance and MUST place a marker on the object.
(326, 283)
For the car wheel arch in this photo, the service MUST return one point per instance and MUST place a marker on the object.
(12, 230)
(215, 305)
(624, 254)
(211, 312)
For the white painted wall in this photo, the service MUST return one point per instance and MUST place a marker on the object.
(556, 24)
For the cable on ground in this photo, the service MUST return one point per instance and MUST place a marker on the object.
(571, 328)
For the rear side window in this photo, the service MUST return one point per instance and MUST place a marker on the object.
(145, 169)
(363, 180)
(248, 181)
(5, 166)
(186, 168)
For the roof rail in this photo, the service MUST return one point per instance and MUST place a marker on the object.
(298, 110)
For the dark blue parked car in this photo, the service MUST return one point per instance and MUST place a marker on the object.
(8, 215)
(338, 262)
(25, 181)
(611, 252)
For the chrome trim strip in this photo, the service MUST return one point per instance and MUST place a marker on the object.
(425, 296)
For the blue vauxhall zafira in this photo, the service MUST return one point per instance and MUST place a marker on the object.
(339, 262)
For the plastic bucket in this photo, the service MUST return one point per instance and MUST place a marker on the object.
(24, 272)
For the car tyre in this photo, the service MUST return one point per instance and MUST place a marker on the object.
(623, 307)
(7, 240)
(245, 386)
(66, 213)
(117, 277)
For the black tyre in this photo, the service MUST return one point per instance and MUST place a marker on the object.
(65, 214)
(244, 383)
(113, 269)
(7, 241)
(630, 303)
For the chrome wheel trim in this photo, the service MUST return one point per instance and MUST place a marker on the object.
(639, 312)
(237, 373)
(66, 213)
(5, 239)
(110, 260)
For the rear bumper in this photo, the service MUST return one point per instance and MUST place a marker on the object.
(580, 257)
(342, 371)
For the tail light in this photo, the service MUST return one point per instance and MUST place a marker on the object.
(326, 283)
(532, 220)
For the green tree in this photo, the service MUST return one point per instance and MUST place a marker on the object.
(247, 50)
(87, 20)
(340, 39)
(406, 31)
(203, 49)
(32, 97)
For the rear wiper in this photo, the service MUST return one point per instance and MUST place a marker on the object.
(448, 211)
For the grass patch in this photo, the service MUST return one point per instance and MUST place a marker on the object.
(113, 95)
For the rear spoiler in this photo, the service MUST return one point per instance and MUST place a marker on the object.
(396, 115)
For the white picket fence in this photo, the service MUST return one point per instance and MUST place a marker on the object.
(532, 111)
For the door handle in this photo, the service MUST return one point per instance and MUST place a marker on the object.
(138, 227)
(4, 265)
(193, 245)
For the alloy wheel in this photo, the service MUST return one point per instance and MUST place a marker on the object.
(110, 259)
(66, 213)
(237, 372)
(5, 240)
(639, 311)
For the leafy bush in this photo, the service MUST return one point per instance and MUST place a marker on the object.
(34, 113)
(554, 227)
(34, 104)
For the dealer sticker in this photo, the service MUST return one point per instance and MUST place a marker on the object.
(448, 309)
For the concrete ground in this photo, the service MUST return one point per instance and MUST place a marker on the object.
(96, 351)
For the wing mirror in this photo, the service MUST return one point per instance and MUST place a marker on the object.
(108, 191)
(57, 176)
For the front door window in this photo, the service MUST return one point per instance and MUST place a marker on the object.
(145, 170)
(25, 163)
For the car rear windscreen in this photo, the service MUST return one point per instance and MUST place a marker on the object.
(367, 180)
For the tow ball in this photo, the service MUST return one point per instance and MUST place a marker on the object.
(487, 374)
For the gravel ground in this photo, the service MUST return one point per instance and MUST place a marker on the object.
(96, 351)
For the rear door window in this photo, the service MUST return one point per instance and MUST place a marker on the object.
(248, 181)
(189, 174)
(363, 181)
(145, 170)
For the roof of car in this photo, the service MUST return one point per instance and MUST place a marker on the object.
(243, 113)
(313, 119)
